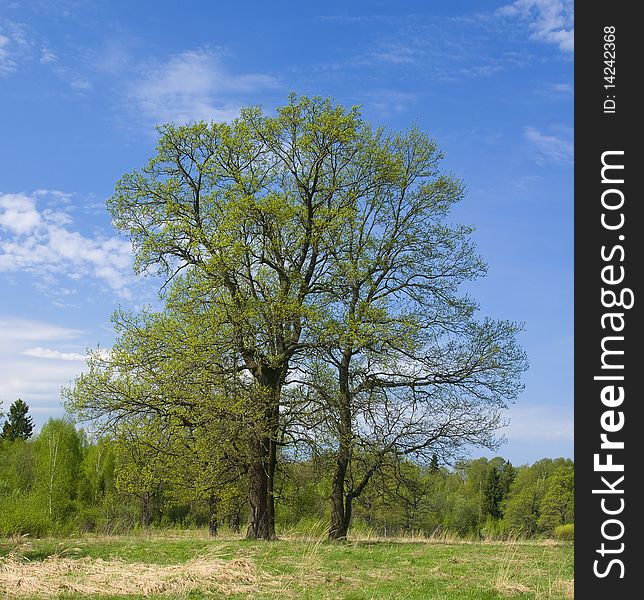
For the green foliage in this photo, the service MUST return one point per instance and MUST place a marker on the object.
(19, 425)
(96, 489)
(493, 494)
(565, 532)
(22, 514)
(558, 504)
(58, 451)
(17, 467)
(541, 497)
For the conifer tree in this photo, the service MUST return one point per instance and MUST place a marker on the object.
(19, 425)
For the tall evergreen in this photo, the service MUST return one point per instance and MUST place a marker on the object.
(434, 465)
(493, 494)
(19, 425)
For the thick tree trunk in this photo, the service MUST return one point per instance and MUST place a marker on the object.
(260, 524)
(341, 518)
(261, 521)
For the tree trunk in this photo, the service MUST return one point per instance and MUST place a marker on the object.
(146, 509)
(235, 522)
(259, 525)
(212, 519)
(261, 520)
(341, 504)
(339, 522)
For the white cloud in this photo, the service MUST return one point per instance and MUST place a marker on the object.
(7, 65)
(14, 329)
(41, 241)
(551, 21)
(81, 84)
(39, 352)
(23, 373)
(37, 359)
(395, 54)
(561, 88)
(194, 85)
(18, 213)
(540, 422)
(549, 147)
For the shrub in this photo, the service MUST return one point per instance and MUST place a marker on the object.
(495, 529)
(20, 515)
(565, 532)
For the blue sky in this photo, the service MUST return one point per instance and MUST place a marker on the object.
(82, 85)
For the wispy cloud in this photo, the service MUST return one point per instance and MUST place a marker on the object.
(389, 102)
(551, 21)
(29, 330)
(556, 91)
(194, 85)
(14, 47)
(395, 54)
(23, 373)
(549, 147)
(540, 422)
(443, 48)
(47, 56)
(7, 64)
(43, 241)
(39, 352)
(21, 47)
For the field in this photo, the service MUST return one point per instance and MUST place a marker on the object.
(190, 565)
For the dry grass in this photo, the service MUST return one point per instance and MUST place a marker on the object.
(175, 565)
(87, 576)
(513, 576)
(567, 586)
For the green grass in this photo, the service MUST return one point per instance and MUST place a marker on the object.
(309, 568)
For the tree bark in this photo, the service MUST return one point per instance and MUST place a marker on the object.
(146, 509)
(341, 504)
(261, 520)
(235, 522)
(339, 521)
(213, 516)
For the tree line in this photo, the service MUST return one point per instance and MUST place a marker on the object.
(63, 482)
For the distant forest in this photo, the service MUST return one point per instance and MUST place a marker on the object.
(62, 482)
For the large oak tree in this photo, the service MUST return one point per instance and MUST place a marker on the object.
(310, 271)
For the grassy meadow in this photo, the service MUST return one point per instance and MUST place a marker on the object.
(191, 566)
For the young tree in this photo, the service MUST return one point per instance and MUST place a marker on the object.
(97, 472)
(558, 504)
(493, 494)
(19, 425)
(58, 450)
(523, 505)
(507, 473)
